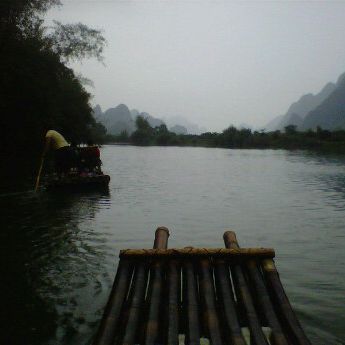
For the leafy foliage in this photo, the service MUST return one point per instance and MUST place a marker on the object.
(22, 18)
(144, 133)
(76, 41)
(37, 90)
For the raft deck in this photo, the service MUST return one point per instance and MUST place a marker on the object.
(79, 183)
(192, 296)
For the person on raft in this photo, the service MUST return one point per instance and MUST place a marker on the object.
(65, 155)
(90, 158)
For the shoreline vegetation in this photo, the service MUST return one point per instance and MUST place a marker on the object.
(233, 138)
(38, 89)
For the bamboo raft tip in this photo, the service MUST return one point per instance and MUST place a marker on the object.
(230, 236)
(212, 293)
(229, 233)
(162, 228)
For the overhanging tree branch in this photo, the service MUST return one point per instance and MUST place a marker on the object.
(77, 41)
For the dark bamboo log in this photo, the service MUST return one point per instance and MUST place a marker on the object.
(110, 322)
(152, 326)
(232, 328)
(208, 298)
(265, 304)
(262, 297)
(191, 304)
(256, 333)
(290, 321)
(242, 253)
(138, 292)
(174, 287)
(136, 304)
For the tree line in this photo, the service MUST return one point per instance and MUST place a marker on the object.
(232, 137)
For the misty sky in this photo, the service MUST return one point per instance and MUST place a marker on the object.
(215, 63)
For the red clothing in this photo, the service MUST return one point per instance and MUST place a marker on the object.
(90, 157)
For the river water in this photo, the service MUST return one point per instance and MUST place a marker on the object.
(60, 250)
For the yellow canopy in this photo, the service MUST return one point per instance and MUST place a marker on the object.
(56, 140)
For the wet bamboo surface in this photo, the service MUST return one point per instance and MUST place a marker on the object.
(161, 295)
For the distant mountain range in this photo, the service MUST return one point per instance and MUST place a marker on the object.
(115, 120)
(120, 118)
(325, 109)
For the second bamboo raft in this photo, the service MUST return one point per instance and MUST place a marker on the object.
(198, 296)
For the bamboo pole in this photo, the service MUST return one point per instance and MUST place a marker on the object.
(136, 304)
(152, 326)
(265, 304)
(287, 314)
(256, 333)
(208, 298)
(174, 287)
(110, 322)
(263, 299)
(191, 307)
(39, 174)
(241, 253)
(230, 322)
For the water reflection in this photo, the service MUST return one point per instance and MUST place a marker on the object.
(53, 267)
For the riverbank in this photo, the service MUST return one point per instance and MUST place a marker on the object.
(291, 139)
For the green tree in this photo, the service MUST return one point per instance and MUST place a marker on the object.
(76, 41)
(229, 136)
(123, 137)
(162, 135)
(37, 90)
(290, 129)
(144, 132)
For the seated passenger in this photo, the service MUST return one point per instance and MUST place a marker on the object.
(64, 155)
(90, 158)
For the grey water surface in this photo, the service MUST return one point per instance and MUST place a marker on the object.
(60, 251)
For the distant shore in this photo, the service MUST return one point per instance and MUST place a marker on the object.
(232, 138)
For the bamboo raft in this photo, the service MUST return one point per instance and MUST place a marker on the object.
(79, 183)
(192, 296)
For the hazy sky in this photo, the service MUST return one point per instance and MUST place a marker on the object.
(215, 63)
